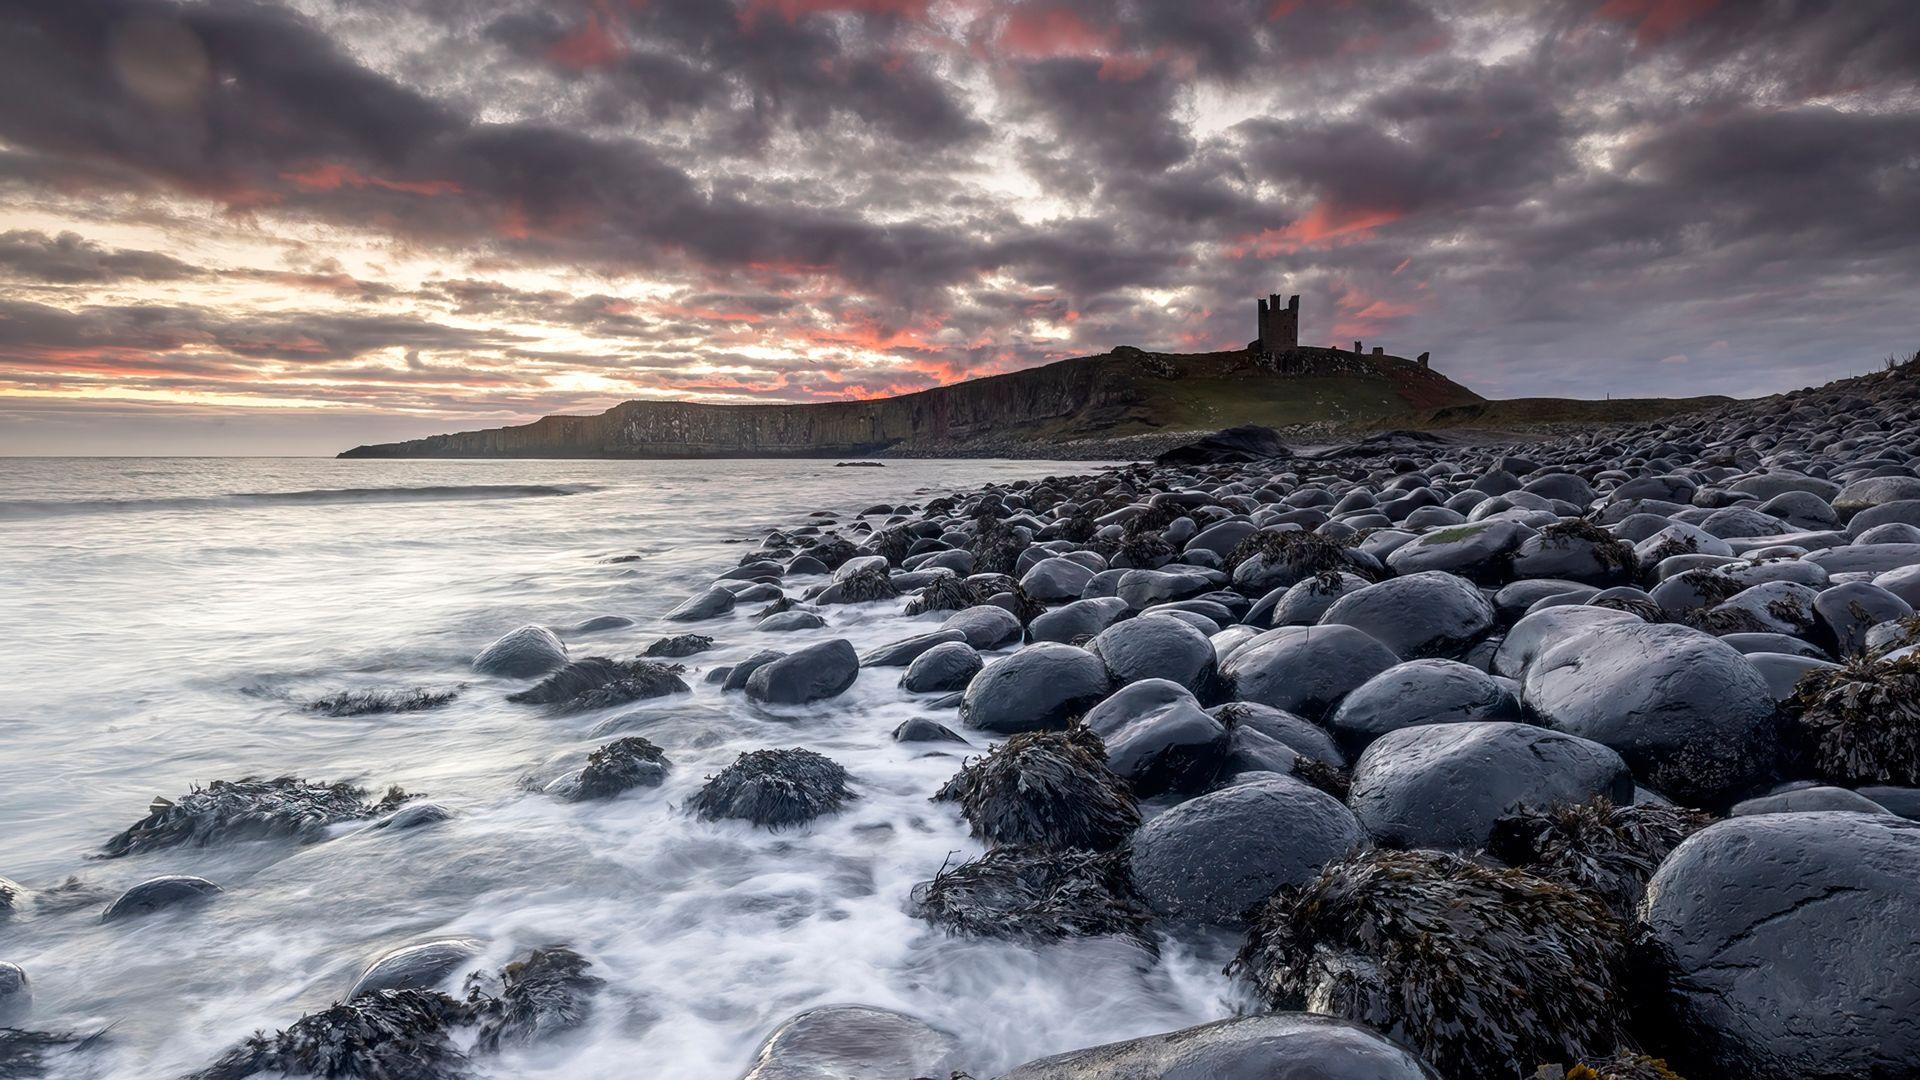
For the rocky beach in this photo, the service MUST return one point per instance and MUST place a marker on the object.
(1596, 757)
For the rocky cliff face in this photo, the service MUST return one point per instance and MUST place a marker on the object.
(1126, 392)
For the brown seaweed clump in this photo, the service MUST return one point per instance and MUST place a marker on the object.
(597, 682)
(1304, 554)
(251, 808)
(774, 788)
(862, 586)
(1615, 1067)
(1860, 723)
(1045, 789)
(379, 702)
(619, 766)
(1034, 894)
(1483, 971)
(1597, 846)
(398, 1034)
(944, 593)
(544, 993)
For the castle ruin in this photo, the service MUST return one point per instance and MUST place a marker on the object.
(1279, 341)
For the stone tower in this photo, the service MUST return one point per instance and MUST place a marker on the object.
(1279, 326)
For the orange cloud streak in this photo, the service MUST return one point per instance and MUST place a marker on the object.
(1325, 225)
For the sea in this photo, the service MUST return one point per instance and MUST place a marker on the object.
(164, 623)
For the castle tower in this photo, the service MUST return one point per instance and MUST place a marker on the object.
(1279, 326)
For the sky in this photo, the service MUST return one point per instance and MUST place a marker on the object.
(295, 226)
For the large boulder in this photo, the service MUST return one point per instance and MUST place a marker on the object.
(1785, 942)
(1443, 786)
(986, 626)
(1210, 859)
(815, 673)
(853, 1042)
(904, 653)
(1276, 1046)
(1041, 687)
(1305, 669)
(1419, 692)
(1056, 579)
(944, 668)
(1159, 739)
(159, 894)
(1424, 614)
(1480, 551)
(1072, 623)
(1689, 714)
(1156, 647)
(711, 604)
(1540, 630)
(423, 965)
(526, 653)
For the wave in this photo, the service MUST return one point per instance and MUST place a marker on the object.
(17, 509)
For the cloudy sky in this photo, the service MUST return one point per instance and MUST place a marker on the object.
(290, 227)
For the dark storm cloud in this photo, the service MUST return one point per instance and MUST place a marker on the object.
(753, 199)
(69, 259)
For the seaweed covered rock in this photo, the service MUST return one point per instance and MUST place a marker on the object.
(597, 683)
(526, 653)
(250, 808)
(1272, 559)
(619, 766)
(1622, 1066)
(673, 648)
(1211, 858)
(1443, 786)
(1775, 940)
(1041, 687)
(854, 1042)
(1276, 1046)
(1860, 723)
(864, 585)
(1689, 714)
(1575, 549)
(1485, 972)
(1605, 848)
(815, 673)
(1034, 894)
(398, 1034)
(350, 703)
(544, 993)
(1045, 789)
(774, 788)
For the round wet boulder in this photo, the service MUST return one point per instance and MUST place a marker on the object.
(16, 995)
(423, 965)
(1041, 687)
(1419, 692)
(1275, 1046)
(1480, 551)
(1056, 579)
(1689, 714)
(1442, 786)
(986, 626)
(1156, 646)
(1078, 621)
(159, 894)
(526, 653)
(1159, 739)
(853, 1042)
(1777, 936)
(942, 669)
(1425, 614)
(1305, 669)
(711, 604)
(815, 673)
(1211, 858)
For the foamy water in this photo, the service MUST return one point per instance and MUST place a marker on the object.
(164, 618)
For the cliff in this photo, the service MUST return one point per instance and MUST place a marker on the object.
(1127, 392)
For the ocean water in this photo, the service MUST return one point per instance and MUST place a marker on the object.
(164, 620)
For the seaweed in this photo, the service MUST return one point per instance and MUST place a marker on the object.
(894, 543)
(1859, 723)
(832, 551)
(1597, 846)
(1483, 971)
(944, 593)
(681, 645)
(618, 766)
(1614, 1067)
(862, 586)
(597, 682)
(1612, 553)
(996, 546)
(1045, 789)
(376, 702)
(250, 808)
(23, 1053)
(774, 788)
(1331, 779)
(1080, 527)
(1034, 894)
(543, 994)
(382, 1035)
(1306, 554)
